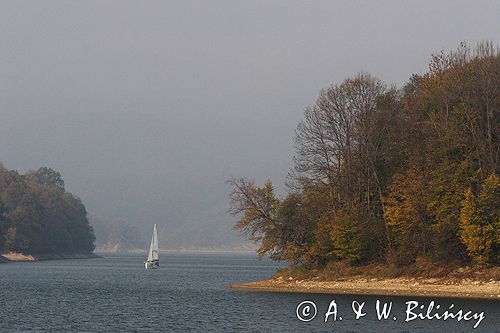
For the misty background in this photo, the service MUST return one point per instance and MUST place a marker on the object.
(147, 108)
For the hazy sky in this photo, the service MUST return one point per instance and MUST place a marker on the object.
(147, 107)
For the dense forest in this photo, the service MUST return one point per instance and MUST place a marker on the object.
(37, 215)
(387, 175)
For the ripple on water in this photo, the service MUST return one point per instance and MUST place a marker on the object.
(187, 294)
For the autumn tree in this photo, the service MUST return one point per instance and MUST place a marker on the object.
(340, 145)
(284, 229)
(454, 132)
(480, 221)
(380, 173)
(257, 209)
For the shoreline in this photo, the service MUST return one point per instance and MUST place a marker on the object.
(408, 287)
(20, 257)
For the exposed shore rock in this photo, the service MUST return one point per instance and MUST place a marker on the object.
(381, 287)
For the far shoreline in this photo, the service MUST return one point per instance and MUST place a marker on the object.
(177, 251)
(408, 287)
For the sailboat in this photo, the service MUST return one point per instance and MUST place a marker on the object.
(152, 261)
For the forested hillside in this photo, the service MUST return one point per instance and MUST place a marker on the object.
(390, 175)
(37, 215)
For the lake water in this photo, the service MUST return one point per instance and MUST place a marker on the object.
(188, 294)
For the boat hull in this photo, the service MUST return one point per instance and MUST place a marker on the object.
(152, 264)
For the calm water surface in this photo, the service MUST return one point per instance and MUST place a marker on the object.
(188, 294)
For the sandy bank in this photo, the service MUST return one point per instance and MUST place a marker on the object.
(381, 287)
(3, 259)
(15, 256)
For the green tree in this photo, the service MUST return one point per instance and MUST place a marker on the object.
(408, 217)
(346, 238)
(480, 222)
(3, 227)
(37, 216)
(46, 176)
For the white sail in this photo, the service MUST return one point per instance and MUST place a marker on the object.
(153, 261)
(154, 245)
(150, 253)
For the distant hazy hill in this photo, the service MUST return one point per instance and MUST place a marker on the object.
(122, 236)
(116, 236)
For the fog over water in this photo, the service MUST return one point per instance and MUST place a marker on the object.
(146, 108)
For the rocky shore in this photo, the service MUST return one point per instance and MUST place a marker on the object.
(381, 287)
